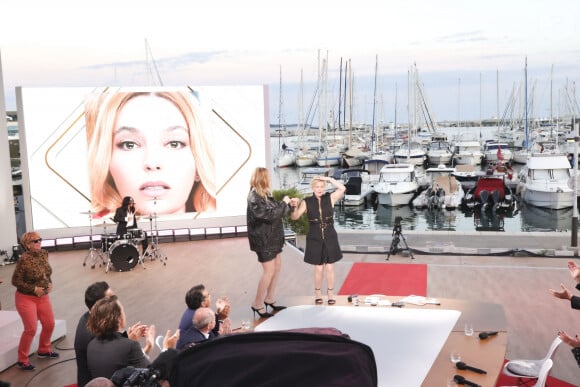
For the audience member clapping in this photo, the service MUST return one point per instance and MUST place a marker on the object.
(111, 349)
(198, 297)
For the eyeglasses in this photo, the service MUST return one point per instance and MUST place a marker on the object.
(37, 240)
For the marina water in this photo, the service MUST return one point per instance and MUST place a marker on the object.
(524, 218)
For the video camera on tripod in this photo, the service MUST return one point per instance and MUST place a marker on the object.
(397, 229)
(397, 236)
(136, 377)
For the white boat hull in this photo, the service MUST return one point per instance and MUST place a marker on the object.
(357, 200)
(394, 199)
(305, 160)
(439, 158)
(413, 159)
(553, 199)
(286, 160)
(468, 158)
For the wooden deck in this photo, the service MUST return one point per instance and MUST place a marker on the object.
(155, 294)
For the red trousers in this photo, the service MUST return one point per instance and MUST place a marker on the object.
(32, 309)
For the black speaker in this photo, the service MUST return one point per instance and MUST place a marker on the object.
(16, 251)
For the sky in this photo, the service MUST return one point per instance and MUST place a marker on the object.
(470, 55)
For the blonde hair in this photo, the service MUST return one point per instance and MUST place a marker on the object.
(101, 113)
(28, 237)
(315, 180)
(260, 182)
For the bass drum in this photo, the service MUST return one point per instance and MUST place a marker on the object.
(124, 255)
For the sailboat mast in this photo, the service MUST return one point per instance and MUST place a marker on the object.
(458, 102)
(497, 100)
(346, 67)
(551, 98)
(280, 113)
(340, 93)
(350, 91)
(526, 91)
(396, 96)
(373, 144)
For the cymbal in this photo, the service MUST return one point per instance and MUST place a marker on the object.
(150, 216)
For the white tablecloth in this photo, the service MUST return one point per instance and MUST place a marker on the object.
(405, 342)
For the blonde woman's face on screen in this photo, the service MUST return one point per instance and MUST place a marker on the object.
(152, 159)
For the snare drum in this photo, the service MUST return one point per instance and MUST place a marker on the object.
(107, 241)
(124, 255)
(135, 233)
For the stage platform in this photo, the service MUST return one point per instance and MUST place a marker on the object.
(10, 331)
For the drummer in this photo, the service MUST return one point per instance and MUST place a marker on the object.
(126, 219)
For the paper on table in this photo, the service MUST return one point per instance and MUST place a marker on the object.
(420, 300)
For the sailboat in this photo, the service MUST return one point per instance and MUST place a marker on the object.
(305, 154)
(329, 152)
(286, 156)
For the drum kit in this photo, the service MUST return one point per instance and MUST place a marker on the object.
(123, 253)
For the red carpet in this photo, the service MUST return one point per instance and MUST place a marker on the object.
(394, 279)
(504, 380)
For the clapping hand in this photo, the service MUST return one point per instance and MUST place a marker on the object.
(571, 341)
(222, 305)
(574, 271)
(136, 331)
(564, 294)
(170, 340)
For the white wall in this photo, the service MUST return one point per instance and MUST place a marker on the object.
(7, 217)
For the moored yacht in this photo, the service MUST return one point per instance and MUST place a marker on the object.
(397, 184)
(546, 182)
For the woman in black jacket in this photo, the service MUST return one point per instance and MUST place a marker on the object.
(266, 236)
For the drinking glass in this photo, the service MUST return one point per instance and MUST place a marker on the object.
(455, 357)
(246, 325)
(468, 329)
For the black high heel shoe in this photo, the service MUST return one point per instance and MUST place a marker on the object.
(331, 301)
(265, 314)
(275, 308)
(318, 301)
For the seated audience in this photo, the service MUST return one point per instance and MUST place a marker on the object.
(111, 350)
(93, 293)
(203, 324)
(197, 297)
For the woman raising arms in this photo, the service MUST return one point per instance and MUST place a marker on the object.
(322, 248)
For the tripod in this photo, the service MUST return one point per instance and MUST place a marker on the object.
(153, 250)
(397, 236)
(93, 253)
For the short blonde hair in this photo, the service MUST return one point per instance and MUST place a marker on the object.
(28, 237)
(315, 180)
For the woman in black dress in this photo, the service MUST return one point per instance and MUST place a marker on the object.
(322, 248)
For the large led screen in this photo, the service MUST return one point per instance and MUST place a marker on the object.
(182, 153)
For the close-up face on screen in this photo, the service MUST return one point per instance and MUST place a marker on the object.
(178, 152)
